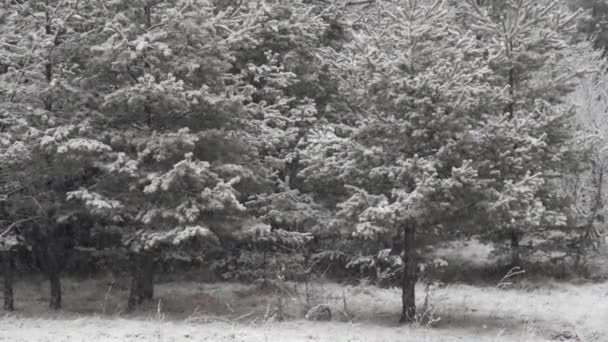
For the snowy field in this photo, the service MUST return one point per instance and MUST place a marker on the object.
(234, 312)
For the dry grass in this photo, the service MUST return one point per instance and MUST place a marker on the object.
(237, 312)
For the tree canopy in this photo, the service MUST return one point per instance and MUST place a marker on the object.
(199, 124)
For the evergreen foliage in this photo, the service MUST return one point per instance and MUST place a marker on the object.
(357, 134)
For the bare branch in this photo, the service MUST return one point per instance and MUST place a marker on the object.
(15, 224)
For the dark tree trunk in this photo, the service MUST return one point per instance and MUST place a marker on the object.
(147, 277)
(142, 280)
(511, 105)
(515, 249)
(7, 271)
(54, 280)
(409, 276)
(52, 253)
(264, 278)
(134, 292)
(148, 14)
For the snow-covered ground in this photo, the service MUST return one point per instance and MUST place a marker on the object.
(123, 330)
(236, 312)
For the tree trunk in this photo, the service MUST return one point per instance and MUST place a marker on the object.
(7, 268)
(147, 277)
(142, 280)
(134, 290)
(148, 14)
(53, 272)
(515, 252)
(409, 276)
(55, 281)
(264, 278)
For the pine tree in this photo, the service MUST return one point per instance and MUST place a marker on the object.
(415, 91)
(175, 124)
(45, 122)
(525, 41)
(452, 133)
(200, 107)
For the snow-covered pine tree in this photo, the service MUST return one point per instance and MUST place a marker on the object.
(452, 129)
(174, 118)
(46, 122)
(200, 115)
(533, 130)
(416, 87)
